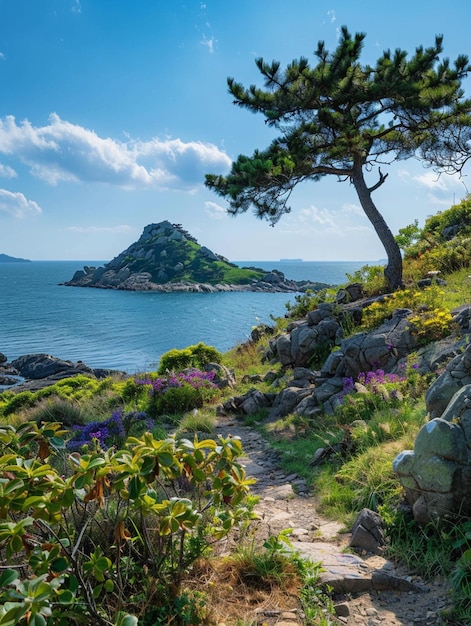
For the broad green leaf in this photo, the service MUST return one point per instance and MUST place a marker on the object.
(7, 577)
(37, 620)
(166, 459)
(65, 596)
(102, 564)
(59, 565)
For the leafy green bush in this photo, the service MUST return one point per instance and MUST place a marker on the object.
(197, 356)
(308, 301)
(178, 393)
(19, 401)
(371, 277)
(115, 535)
(457, 217)
(444, 243)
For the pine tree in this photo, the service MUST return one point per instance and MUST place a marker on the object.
(342, 118)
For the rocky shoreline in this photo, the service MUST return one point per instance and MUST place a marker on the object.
(102, 278)
(32, 372)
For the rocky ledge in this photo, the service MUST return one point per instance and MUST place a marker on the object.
(32, 372)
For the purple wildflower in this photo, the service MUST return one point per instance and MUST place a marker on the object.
(112, 431)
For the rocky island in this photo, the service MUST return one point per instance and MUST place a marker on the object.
(167, 258)
(5, 258)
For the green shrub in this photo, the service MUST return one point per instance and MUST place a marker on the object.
(178, 393)
(197, 356)
(371, 277)
(117, 532)
(176, 400)
(19, 401)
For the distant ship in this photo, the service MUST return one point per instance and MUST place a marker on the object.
(291, 260)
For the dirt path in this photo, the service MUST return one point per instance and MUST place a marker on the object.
(286, 503)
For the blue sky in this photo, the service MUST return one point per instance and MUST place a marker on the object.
(112, 111)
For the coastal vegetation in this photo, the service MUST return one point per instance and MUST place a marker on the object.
(114, 493)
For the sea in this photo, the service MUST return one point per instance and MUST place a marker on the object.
(129, 331)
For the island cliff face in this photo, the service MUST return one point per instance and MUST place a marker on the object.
(167, 258)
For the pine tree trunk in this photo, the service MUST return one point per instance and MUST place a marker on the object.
(393, 270)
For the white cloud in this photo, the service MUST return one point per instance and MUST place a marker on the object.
(319, 217)
(209, 43)
(342, 222)
(17, 204)
(76, 7)
(7, 172)
(432, 181)
(331, 16)
(214, 210)
(352, 209)
(123, 228)
(2, 56)
(62, 151)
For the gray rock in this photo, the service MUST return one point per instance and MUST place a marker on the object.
(304, 339)
(283, 349)
(35, 366)
(287, 401)
(456, 375)
(224, 377)
(350, 293)
(248, 404)
(436, 475)
(367, 532)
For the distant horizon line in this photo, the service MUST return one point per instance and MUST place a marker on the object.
(284, 260)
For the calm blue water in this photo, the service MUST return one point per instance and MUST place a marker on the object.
(131, 330)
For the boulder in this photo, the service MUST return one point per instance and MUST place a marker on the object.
(36, 366)
(287, 401)
(248, 404)
(350, 293)
(381, 348)
(456, 375)
(436, 474)
(283, 349)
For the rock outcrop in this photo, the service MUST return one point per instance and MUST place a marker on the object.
(167, 258)
(436, 474)
(32, 372)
